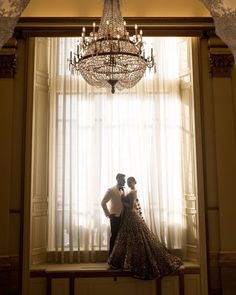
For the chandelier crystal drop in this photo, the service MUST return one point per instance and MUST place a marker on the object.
(109, 57)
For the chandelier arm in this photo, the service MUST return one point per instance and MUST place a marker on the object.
(114, 53)
(109, 57)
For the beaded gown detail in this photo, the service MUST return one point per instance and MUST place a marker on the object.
(137, 250)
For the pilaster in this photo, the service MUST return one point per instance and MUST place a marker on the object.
(221, 216)
(8, 59)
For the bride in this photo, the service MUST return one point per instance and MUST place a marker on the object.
(137, 250)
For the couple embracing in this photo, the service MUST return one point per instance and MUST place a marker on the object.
(133, 246)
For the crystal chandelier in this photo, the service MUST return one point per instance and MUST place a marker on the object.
(109, 57)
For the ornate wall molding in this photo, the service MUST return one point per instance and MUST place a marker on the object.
(214, 259)
(9, 268)
(221, 60)
(72, 26)
(9, 263)
(8, 59)
(224, 15)
(227, 259)
(7, 66)
(221, 64)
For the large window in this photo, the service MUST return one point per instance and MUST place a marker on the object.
(146, 132)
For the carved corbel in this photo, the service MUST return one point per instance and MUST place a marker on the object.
(221, 60)
(221, 64)
(8, 59)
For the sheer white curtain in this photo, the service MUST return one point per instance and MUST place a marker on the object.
(94, 135)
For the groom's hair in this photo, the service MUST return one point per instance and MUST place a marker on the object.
(119, 176)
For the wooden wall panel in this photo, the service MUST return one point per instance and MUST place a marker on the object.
(60, 284)
(114, 286)
(37, 286)
(192, 284)
(170, 285)
(14, 234)
(60, 287)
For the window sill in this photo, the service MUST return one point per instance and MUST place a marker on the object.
(84, 270)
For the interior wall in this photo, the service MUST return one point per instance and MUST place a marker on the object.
(130, 8)
(218, 120)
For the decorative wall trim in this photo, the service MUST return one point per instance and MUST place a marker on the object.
(9, 268)
(99, 256)
(87, 270)
(213, 208)
(215, 292)
(222, 259)
(14, 211)
(71, 274)
(9, 263)
(221, 64)
(7, 66)
(8, 59)
(214, 259)
(154, 26)
(227, 259)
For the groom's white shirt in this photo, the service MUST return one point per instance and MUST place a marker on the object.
(113, 196)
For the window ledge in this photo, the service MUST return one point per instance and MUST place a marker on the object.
(94, 270)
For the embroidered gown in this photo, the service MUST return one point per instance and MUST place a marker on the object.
(137, 250)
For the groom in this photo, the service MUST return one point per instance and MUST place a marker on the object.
(113, 195)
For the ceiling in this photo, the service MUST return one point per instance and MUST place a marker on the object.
(129, 8)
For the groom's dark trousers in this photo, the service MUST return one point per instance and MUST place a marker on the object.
(115, 225)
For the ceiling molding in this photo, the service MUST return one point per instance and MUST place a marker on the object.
(151, 26)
